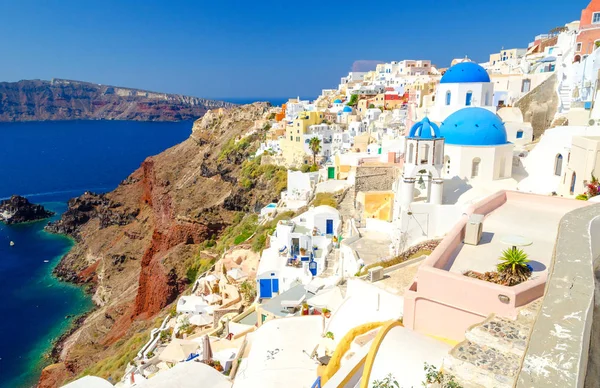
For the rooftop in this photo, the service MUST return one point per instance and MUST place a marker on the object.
(534, 220)
(277, 305)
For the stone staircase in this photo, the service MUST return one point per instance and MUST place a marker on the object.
(492, 352)
(566, 94)
(330, 262)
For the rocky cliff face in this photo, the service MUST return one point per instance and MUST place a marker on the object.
(17, 209)
(34, 100)
(135, 243)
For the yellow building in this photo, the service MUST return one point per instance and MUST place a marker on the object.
(292, 145)
(376, 204)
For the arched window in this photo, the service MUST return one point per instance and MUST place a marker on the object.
(558, 162)
(424, 153)
(469, 98)
(411, 151)
(487, 99)
(475, 167)
(573, 180)
(503, 167)
(448, 97)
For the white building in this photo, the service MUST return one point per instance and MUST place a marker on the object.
(298, 250)
(192, 305)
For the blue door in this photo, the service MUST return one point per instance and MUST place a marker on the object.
(275, 287)
(265, 288)
(329, 227)
(312, 267)
(469, 98)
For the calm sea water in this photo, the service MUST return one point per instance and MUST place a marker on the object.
(50, 162)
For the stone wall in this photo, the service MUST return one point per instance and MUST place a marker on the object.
(375, 178)
(218, 314)
(565, 339)
(539, 106)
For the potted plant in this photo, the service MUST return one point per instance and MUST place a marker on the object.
(329, 335)
(514, 267)
(217, 365)
(303, 251)
(326, 313)
(304, 308)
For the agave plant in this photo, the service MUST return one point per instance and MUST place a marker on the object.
(514, 267)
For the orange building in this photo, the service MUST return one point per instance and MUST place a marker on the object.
(589, 30)
(280, 116)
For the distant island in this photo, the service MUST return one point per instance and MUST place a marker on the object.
(18, 209)
(61, 99)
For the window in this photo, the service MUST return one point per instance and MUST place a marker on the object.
(558, 165)
(487, 99)
(298, 138)
(525, 85)
(573, 180)
(578, 48)
(519, 134)
(596, 18)
(291, 138)
(411, 150)
(503, 167)
(448, 97)
(424, 154)
(475, 167)
(469, 98)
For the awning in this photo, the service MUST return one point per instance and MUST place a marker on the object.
(548, 59)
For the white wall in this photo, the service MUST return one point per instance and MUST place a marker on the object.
(458, 98)
(490, 166)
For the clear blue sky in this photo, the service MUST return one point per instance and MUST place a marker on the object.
(258, 48)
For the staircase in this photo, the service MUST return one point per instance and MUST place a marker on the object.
(492, 352)
(566, 94)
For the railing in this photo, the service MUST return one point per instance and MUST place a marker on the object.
(317, 383)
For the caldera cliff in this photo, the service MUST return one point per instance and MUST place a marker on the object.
(59, 99)
(135, 244)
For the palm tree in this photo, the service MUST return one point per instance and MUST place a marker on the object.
(315, 146)
(513, 268)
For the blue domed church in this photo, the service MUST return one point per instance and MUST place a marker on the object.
(463, 85)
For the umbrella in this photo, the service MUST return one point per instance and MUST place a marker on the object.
(207, 354)
(212, 298)
(236, 274)
(178, 350)
(201, 320)
(210, 278)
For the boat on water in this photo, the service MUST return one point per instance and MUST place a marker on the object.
(12, 243)
(46, 261)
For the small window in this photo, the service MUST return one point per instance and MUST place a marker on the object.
(448, 97)
(558, 165)
(596, 18)
(525, 85)
(291, 138)
(469, 98)
(578, 48)
(519, 134)
(475, 168)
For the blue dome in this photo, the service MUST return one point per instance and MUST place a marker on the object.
(473, 127)
(465, 72)
(347, 109)
(424, 129)
(338, 101)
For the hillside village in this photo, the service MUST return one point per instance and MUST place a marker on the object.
(432, 222)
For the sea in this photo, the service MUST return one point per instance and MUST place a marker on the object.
(49, 163)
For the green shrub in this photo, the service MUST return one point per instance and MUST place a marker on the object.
(582, 197)
(259, 243)
(325, 199)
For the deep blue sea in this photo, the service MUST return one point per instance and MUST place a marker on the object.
(50, 162)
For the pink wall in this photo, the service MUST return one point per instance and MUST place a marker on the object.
(445, 304)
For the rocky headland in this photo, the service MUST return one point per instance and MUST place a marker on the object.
(17, 209)
(135, 244)
(59, 99)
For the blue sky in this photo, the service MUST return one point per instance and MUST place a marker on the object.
(224, 48)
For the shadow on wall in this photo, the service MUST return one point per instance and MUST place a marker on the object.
(539, 106)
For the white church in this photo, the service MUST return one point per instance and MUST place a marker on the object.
(451, 165)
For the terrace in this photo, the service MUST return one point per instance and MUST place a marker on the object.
(441, 290)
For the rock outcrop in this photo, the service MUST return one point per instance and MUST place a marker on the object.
(135, 244)
(18, 209)
(59, 99)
